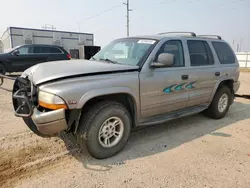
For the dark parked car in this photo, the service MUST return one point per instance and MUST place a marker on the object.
(22, 57)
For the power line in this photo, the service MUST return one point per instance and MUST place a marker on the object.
(155, 5)
(101, 13)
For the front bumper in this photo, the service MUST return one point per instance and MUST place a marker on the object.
(24, 96)
(51, 122)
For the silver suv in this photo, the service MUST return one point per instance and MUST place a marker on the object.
(134, 81)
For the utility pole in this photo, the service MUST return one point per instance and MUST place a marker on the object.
(241, 39)
(233, 45)
(128, 10)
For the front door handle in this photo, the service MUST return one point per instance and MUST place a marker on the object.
(184, 77)
(217, 74)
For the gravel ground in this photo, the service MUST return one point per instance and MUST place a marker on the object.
(245, 83)
(190, 152)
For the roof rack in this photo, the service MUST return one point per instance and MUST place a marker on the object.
(210, 36)
(189, 33)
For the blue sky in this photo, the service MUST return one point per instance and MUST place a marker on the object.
(228, 18)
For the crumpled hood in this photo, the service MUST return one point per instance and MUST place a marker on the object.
(44, 72)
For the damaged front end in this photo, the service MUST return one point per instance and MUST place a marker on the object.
(44, 122)
(24, 98)
(23, 95)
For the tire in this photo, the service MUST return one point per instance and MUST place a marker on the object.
(93, 122)
(213, 110)
(29, 122)
(2, 69)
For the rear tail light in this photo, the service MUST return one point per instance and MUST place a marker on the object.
(69, 56)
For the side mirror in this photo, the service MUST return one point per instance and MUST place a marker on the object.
(164, 60)
(16, 52)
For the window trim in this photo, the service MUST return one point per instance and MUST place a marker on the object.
(58, 49)
(25, 46)
(203, 42)
(209, 50)
(183, 54)
(47, 53)
(212, 42)
(30, 46)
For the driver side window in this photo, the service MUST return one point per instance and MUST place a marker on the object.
(24, 50)
(173, 47)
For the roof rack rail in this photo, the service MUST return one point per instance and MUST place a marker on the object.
(189, 33)
(210, 36)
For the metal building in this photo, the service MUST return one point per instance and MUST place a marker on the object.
(243, 59)
(71, 41)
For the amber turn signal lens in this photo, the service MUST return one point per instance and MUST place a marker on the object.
(53, 106)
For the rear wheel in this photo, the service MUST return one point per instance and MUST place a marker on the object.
(220, 104)
(2, 69)
(105, 129)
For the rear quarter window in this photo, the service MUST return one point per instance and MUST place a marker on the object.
(224, 52)
(54, 50)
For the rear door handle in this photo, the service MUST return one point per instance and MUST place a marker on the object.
(217, 74)
(184, 77)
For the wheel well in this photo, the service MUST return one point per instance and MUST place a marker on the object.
(123, 98)
(230, 85)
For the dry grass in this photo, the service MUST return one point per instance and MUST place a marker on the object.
(244, 69)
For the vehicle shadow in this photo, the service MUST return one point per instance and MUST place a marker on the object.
(160, 138)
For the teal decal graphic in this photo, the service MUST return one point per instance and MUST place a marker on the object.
(179, 87)
(176, 87)
(168, 89)
(190, 85)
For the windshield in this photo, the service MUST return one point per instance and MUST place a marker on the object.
(129, 51)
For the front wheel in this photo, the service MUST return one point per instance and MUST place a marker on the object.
(220, 104)
(105, 129)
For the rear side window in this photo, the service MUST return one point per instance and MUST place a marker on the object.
(224, 53)
(200, 53)
(41, 50)
(55, 51)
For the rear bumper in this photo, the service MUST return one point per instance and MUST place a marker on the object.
(50, 123)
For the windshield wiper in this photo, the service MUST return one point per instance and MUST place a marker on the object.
(109, 60)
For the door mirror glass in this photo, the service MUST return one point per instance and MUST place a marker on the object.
(164, 60)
